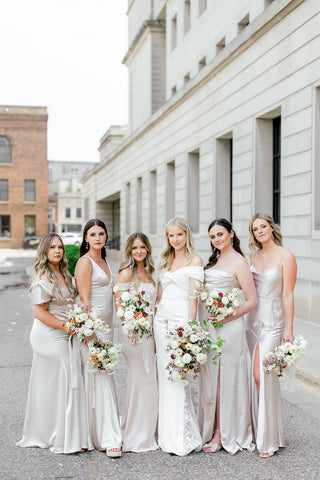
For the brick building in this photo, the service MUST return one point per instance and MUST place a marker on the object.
(23, 174)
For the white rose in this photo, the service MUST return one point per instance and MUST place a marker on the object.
(179, 351)
(201, 358)
(195, 349)
(204, 296)
(100, 356)
(120, 312)
(194, 338)
(236, 302)
(231, 296)
(224, 300)
(115, 288)
(214, 293)
(174, 344)
(209, 302)
(87, 332)
(126, 296)
(178, 362)
(89, 323)
(187, 358)
(83, 317)
(175, 377)
(128, 315)
(125, 328)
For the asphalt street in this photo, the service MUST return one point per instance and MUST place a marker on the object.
(299, 460)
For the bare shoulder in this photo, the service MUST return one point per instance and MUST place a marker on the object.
(288, 257)
(196, 261)
(125, 276)
(43, 277)
(240, 261)
(84, 265)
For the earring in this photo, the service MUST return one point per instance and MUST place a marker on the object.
(232, 241)
(87, 245)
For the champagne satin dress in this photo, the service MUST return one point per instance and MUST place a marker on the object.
(56, 414)
(102, 405)
(266, 325)
(140, 404)
(235, 418)
(178, 430)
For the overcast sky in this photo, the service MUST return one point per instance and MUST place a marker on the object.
(66, 55)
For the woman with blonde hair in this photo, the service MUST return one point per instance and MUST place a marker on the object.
(56, 415)
(94, 282)
(274, 270)
(140, 403)
(180, 271)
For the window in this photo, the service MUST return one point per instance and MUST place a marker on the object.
(193, 202)
(4, 190)
(316, 199)
(276, 174)
(128, 205)
(223, 176)
(202, 6)
(231, 174)
(29, 225)
(29, 190)
(78, 212)
(68, 212)
(170, 190)
(5, 229)
(153, 201)
(173, 32)
(139, 204)
(5, 149)
(186, 16)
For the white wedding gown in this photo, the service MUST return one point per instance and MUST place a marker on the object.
(178, 430)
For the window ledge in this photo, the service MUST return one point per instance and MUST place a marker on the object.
(30, 202)
(4, 202)
(5, 238)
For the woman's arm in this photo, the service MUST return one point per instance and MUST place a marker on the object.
(83, 280)
(193, 284)
(41, 313)
(124, 277)
(289, 270)
(247, 285)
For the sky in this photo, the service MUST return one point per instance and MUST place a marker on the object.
(67, 55)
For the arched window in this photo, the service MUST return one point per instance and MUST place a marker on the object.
(5, 149)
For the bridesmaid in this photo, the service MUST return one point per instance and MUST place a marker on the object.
(274, 271)
(180, 271)
(94, 282)
(224, 406)
(140, 406)
(55, 416)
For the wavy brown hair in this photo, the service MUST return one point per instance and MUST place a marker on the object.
(215, 251)
(42, 267)
(130, 263)
(254, 244)
(168, 253)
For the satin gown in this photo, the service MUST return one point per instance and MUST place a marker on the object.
(56, 415)
(235, 417)
(266, 325)
(178, 430)
(140, 405)
(102, 405)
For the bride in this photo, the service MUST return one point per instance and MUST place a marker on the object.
(180, 269)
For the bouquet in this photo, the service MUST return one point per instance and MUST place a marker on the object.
(103, 356)
(136, 315)
(285, 355)
(188, 345)
(85, 321)
(218, 303)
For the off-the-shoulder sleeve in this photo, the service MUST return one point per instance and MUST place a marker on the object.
(123, 286)
(196, 272)
(40, 292)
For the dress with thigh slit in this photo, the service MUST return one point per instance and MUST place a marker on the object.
(265, 325)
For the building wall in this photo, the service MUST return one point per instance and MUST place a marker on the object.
(26, 127)
(270, 68)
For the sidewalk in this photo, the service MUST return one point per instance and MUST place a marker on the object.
(16, 268)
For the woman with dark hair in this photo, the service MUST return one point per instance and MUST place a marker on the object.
(224, 405)
(94, 282)
(140, 405)
(274, 271)
(56, 413)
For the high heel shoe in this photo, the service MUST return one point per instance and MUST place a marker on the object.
(266, 454)
(213, 447)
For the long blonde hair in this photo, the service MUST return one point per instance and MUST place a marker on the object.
(168, 253)
(254, 244)
(42, 267)
(130, 263)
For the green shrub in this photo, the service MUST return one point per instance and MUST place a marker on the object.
(72, 255)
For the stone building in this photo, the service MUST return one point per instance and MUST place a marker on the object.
(23, 174)
(224, 112)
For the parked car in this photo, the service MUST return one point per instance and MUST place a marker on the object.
(31, 242)
(71, 238)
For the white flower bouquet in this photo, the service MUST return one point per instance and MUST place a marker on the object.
(135, 313)
(285, 355)
(103, 356)
(188, 345)
(218, 303)
(85, 321)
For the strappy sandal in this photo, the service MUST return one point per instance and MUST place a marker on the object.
(214, 447)
(266, 454)
(114, 452)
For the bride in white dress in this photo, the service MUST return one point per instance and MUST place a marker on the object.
(224, 400)
(180, 270)
(94, 282)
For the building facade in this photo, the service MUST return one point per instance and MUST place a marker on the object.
(23, 174)
(66, 204)
(224, 121)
